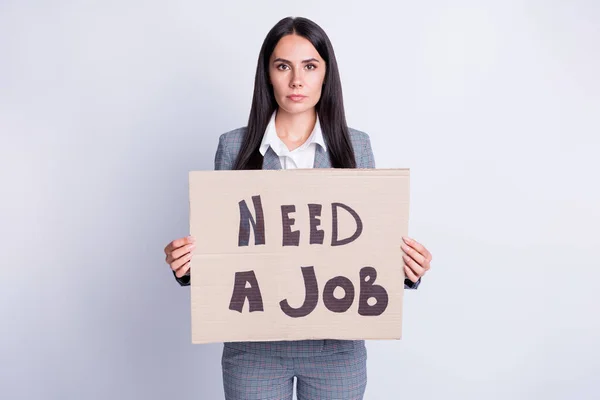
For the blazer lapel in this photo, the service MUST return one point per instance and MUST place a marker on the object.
(271, 161)
(321, 158)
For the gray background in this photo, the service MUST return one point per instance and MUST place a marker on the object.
(494, 105)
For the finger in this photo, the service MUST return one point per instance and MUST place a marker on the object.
(180, 262)
(175, 244)
(412, 264)
(178, 253)
(410, 274)
(419, 247)
(414, 254)
(183, 270)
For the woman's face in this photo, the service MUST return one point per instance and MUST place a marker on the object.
(297, 73)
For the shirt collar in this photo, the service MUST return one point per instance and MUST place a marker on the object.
(270, 138)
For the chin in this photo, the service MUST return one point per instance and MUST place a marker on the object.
(296, 108)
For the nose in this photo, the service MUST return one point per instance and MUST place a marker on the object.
(296, 81)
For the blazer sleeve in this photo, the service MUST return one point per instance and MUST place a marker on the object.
(223, 161)
(367, 160)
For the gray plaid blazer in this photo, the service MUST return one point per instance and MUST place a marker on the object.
(227, 151)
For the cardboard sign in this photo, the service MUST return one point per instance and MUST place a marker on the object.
(297, 254)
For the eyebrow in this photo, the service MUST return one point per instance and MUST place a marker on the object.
(289, 62)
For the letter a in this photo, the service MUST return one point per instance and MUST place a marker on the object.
(241, 292)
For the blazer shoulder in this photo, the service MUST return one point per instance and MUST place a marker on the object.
(233, 138)
(357, 135)
(360, 140)
(231, 141)
(363, 152)
(228, 148)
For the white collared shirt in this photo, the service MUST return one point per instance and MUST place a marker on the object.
(301, 157)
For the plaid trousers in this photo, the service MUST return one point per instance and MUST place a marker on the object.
(260, 376)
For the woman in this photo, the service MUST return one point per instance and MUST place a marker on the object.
(297, 120)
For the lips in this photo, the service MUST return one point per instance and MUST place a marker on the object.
(296, 97)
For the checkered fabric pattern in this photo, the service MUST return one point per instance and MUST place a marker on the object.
(230, 143)
(249, 376)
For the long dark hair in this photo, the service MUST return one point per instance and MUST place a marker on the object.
(330, 108)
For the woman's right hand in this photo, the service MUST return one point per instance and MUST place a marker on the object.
(179, 254)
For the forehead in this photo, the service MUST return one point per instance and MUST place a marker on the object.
(295, 48)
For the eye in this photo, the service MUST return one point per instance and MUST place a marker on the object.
(282, 67)
(311, 66)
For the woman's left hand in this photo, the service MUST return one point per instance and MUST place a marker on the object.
(417, 259)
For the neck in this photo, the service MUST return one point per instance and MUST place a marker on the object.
(294, 129)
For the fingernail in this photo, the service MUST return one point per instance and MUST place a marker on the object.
(405, 239)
